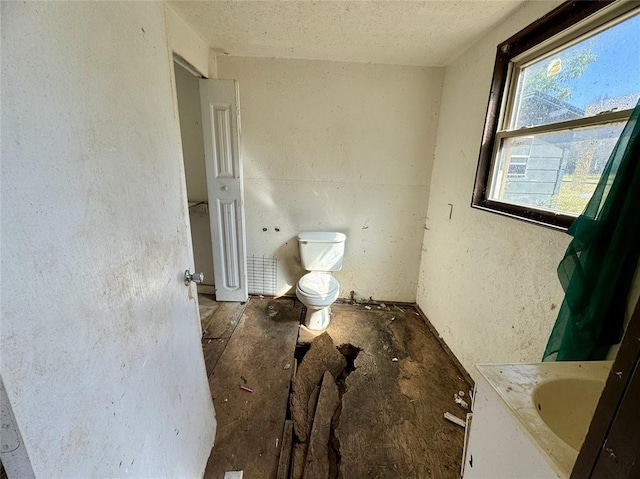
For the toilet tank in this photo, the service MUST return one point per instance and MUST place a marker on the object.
(321, 251)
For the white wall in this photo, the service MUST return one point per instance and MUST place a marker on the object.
(202, 246)
(100, 344)
(338, 146)
(184, 41)
(188, 94)
(487, 283)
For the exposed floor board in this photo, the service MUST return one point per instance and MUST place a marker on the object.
(207, 305)
(250, 425)
(317, 460)
(285, 456)
(218, 320)
(223, 320)
(213, 349)
(392, 423)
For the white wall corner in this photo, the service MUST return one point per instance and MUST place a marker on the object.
(481, 274)
(213, 65)
(185, 41)
(321, 151)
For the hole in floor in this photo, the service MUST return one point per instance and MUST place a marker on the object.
(350, 353)
(301, 350)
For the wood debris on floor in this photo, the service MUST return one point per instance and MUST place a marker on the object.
(400, 381)
(285, 453)
(367, 397)
(314, 409)
(323, 356)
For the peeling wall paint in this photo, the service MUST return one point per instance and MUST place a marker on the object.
(341, 147)
(487, 282)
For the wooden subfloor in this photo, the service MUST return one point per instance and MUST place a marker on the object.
(391, 424)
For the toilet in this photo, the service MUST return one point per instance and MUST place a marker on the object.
(320, 254)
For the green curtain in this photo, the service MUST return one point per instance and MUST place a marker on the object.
(599, 264)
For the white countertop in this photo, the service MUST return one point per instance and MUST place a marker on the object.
(515, 385)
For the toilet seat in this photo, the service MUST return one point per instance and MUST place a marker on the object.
(318, 285)
(317, 291)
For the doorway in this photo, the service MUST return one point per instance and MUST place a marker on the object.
(209, 113)
(190, 114)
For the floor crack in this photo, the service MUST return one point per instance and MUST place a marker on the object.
(350, 352)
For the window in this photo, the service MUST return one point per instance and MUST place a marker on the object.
(562, 91)
(517, 166)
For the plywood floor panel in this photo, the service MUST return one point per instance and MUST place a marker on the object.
(259, 355)
(213, 349)
(392, 423)
(223, 320)
(207, 305)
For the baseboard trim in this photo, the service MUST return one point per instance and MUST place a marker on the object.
(445, 346)
(401, 304)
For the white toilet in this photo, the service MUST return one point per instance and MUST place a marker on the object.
(320, 253)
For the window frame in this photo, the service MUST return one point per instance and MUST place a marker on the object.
(556, 29)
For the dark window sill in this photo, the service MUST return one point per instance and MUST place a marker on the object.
(548, 219)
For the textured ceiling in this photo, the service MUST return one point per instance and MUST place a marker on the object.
(394, 32)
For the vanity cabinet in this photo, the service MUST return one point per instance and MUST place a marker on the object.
(496, 447)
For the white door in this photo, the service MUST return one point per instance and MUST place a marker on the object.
(221, 128)
(100, 353)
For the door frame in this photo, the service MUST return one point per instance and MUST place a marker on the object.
(608, 449)
(176, 58)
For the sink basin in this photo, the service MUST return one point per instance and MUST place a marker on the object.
(552, 403)
(567, 406)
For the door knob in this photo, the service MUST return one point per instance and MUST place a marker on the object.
(195, 277)
(225, 188)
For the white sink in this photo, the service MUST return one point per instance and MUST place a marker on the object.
(552, 403)
(567, 406)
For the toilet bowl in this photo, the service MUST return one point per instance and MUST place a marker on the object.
(320, 253)
(317, 291)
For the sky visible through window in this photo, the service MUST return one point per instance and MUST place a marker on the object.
(616, 69)
(598, 74)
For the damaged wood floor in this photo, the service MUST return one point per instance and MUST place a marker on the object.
(389, 423)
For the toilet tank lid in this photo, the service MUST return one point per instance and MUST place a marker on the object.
(322, 237)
